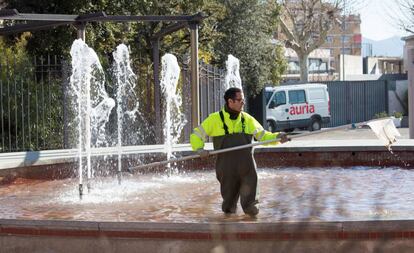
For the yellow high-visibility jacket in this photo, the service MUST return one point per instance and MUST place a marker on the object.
(213, 126)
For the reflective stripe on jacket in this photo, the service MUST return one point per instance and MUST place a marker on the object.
(213, 126)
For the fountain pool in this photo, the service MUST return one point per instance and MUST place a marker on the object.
(328, 202)
(286, 194)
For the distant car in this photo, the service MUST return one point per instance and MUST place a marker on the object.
(304, 106)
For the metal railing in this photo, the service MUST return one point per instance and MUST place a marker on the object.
(34, 102)
(31, 104)
(211, 93)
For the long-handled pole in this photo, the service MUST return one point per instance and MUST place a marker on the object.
(180, 159)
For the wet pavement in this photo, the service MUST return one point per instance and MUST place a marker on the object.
(349, 134)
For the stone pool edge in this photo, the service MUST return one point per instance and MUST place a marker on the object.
(302, 230)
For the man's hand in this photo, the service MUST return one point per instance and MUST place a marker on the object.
(203, 153)
(283, 137)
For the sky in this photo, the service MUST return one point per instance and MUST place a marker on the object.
(376, 19)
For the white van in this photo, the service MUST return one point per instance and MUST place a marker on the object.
(304, 106)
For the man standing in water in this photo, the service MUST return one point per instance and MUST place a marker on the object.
(235, 170)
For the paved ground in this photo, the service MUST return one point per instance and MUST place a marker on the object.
(360, 139)
(348, 134)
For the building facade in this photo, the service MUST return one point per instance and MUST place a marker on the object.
(326, 63)
(318, 66)
(344, 38)
(383, 65)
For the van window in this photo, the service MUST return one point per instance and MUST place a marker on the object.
(279, 98)
(297, 96)
(317, 94)
(268, 95)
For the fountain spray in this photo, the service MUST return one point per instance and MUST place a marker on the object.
(232, 78)
(174, 120)
(93, 106)
(125, 81)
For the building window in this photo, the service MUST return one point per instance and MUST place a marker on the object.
(293, 67)
(345, 51)
(317, 66)
(329, 39)
(345, 38)
(345, 25)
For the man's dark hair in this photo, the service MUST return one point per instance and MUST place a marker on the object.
(231, 93)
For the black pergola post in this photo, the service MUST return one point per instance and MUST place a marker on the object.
(81, 30)
(157, 88)
(195, 87)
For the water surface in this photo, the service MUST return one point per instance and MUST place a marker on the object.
(286, 194)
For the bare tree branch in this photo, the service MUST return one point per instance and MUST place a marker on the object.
(404, 19)
(306, 23)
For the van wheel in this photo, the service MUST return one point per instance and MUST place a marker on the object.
(315, 125)
(271, 126)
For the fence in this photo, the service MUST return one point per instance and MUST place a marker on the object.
(31, 104)
(356, 101)
(34, 105)
(211, 93)
(350, 101)
(34, 116)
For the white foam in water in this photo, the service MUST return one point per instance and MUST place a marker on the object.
(232, 78)
(182, 178)
(174, 120)
(109, 191)
(385, 130)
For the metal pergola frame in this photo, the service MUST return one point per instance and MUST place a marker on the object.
(37, 22)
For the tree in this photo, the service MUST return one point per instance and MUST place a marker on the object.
(243, 28)
(54, 41)
(104, 37)
(405, 16)
(22, 97)
(305, 25)
(246, 32)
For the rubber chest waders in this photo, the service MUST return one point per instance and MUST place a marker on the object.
(236, 171)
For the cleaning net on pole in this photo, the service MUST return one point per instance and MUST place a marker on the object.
(385, 130)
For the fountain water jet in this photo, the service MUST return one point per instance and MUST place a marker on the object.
(232, 78)
(174, 120)
(93, 105)
(126, 104)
